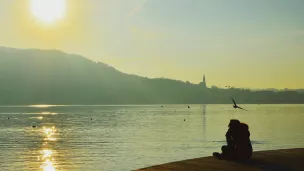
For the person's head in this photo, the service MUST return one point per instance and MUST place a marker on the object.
(233, 122)
(244, 125)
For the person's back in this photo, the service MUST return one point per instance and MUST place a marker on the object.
(243, 145)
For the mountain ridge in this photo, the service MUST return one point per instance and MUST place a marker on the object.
(31, 76)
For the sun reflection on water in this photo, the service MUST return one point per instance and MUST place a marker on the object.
(47, 160)
(48, 113)
(48, 165)
(49, 132)
(47, 154)
(42, 106)
(38, 117)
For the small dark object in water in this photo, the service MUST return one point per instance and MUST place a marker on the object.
(184, 119)
(34, 126)
(188, 106)
(162, 106)
(91, 119)
(7, 117)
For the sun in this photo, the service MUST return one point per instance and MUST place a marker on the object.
(48, 11)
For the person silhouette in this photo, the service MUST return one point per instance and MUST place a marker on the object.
(238, 142)
(242, 142)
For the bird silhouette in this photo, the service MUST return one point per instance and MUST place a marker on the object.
(235, 105)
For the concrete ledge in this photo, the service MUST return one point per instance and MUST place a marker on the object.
(274, 160)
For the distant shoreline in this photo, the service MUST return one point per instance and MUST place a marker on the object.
(54, 77)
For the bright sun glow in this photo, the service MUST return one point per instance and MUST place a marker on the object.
(48, 11)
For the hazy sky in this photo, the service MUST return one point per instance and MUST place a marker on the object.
(252, 43)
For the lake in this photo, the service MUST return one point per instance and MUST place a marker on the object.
(121, 138)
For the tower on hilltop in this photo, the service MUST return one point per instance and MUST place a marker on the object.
(204, 84)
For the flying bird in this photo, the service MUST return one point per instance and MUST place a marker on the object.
(235, 105)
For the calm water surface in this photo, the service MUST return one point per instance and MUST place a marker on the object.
(120, 138)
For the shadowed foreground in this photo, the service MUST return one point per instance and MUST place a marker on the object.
(275, 160)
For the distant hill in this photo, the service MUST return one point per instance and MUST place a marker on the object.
(53, 77)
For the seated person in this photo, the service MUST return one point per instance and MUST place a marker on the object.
(238, 142)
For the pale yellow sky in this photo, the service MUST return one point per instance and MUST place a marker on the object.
(252, 44)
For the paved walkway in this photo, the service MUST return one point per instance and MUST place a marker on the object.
(275, 160)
